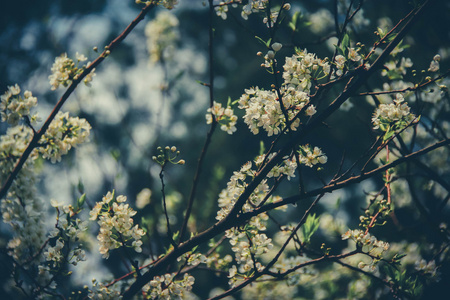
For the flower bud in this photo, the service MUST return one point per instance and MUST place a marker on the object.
(181, 162)
(276, 46)
(270, 54)
(287, 6)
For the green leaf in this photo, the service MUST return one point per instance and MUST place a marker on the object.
(175, 236)
(262, 148)
(398, 256)
(80, 187)
(234, 102)
(345, 43)
(339, 50)
(267, 44)
(388, 135)
(115, 153)
(302, 151)
(294, 21)
(81, 201)
(310, 227)
(201, 83)
(338, 203)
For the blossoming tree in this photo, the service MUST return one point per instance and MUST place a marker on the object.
(280, 226)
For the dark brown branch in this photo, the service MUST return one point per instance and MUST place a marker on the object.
(414, 88)
(347, 182)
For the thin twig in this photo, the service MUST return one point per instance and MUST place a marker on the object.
(211, 130)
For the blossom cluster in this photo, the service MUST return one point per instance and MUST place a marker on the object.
(237, 184)
(301, 68)
(275, 110)
(368, 244)
(224, 116)
(20, 208)
(12, 144)
(26, 220)
(263, 110)
(116, 224)
(395, 69)
(287, 263)
(68, 230)
(13, 107)
(286, 168)
(55, 255)
(342, 61)
(63, 133)
(252, 6)
(101, 291)
(65, 70)
(248, 243)
(376, 212)
(219, 263)
(162, 35)
(434, 65)
(310, 157)
(168, 287)
(169, 4)
(222, 9)
(394, 116)
(428, 268)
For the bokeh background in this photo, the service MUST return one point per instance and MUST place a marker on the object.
(135, 105)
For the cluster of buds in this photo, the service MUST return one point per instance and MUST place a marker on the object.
(376, 213)
(269, 58)
(168, 287)
(168, 154)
